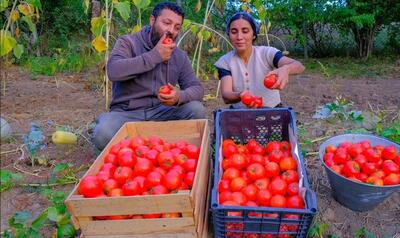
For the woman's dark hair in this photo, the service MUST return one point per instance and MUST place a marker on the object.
(167, 5)
(247, 17)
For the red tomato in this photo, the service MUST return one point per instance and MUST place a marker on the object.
(190, 165)
(288, 163)
(271, 146)
(178, 168)
(337, 168)
(149, 216)
(232, 203)
(258, 102)
(189, 178)
(180, 159)
(224, 196)
(392, 179)
(103, 176)
(122, 174)
(368, 168)
(259, 149)
(237, 184)
(141, 150)
(131, 188)
(270, 80)
(264, 197)
(262, 183)
(115, 148)
(109, 185)
(116, 192)
(375, 180)
(285, 146)
(230, 173)
(152, 156)
(256, 158)
(278, 186)
(166, 159)
(155, 140)
(223, 185)
(229, 150)
(111, 158)
(371, 155)
(142, 182)
(239, 198)
(159, 189)
(360, 159)
(167, 41)
(192, 151)
(355, 149)
(171, 215)
(362, 177)
(251, 144)
(154, 178)
(278, 200)
(345, 145)
(330, 149)
(293, 188)
(388, 166)
(328, 159)
(255, 171)
(247, 99)
(181, 144)
(166, 89)
(238, 161)
(365, 144)
(275, 156)
(173, 180)
(226, 163)
(290, 176)
(250, 191)
(351, 168)
(295, 201)
(341, 156)
(127, 159)
(272, 169)
(137, 141)
(162, 171)
(90, 186)
(143, 167)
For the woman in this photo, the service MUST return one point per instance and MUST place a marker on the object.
(243, 69)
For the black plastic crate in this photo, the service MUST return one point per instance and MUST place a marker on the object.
(263, 125)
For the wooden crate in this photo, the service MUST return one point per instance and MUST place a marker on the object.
(191, 203)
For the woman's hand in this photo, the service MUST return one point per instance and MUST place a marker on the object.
(282, 74)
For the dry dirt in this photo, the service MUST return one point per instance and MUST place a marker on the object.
(68, 100)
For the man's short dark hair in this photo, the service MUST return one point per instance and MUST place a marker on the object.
(167, 5)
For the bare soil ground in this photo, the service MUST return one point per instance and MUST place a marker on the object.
(69, 100)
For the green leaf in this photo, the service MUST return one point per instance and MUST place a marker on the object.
(66, 230)
(363, 233)
(52, 214)
(7, 42)
(206, 34)
(141, 4)
(220, 5)
(61, 167)
(97, 25)
(86, 4)
(18, 50)
(35, 3)
(21, 217)
(3, 5)
(31, 25)
(194, 29)
(37, 224)
(123, 9)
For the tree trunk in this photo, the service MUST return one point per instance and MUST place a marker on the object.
(364, 38)
(95, 12)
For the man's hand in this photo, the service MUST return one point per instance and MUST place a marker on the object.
(170, 99)
(282, 76)
(165, 50)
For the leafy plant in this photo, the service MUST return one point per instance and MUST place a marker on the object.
(22, 227)
(317, 230)
(8, 179)
(340, 109)
(364, 233)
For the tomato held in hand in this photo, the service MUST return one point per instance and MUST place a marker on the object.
(166, 89)
(270, 80)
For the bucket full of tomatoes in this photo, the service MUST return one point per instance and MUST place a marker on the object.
(363, 170)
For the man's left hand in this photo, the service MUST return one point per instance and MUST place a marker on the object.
(170, 99)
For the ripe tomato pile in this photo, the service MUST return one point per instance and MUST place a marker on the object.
(141, 166)
(254, 175)
(252, 101)
(377, 165)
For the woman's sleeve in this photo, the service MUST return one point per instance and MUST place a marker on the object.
(272, 56)
(223, 67)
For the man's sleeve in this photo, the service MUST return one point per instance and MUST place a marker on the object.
(123, 64)
(190, 85)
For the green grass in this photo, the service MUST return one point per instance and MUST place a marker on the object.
(60, 63)
(347, 67)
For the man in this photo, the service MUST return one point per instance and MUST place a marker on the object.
(139, 65)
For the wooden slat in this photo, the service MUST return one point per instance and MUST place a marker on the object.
(164, 235)
(138, 226)
(130, 205)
